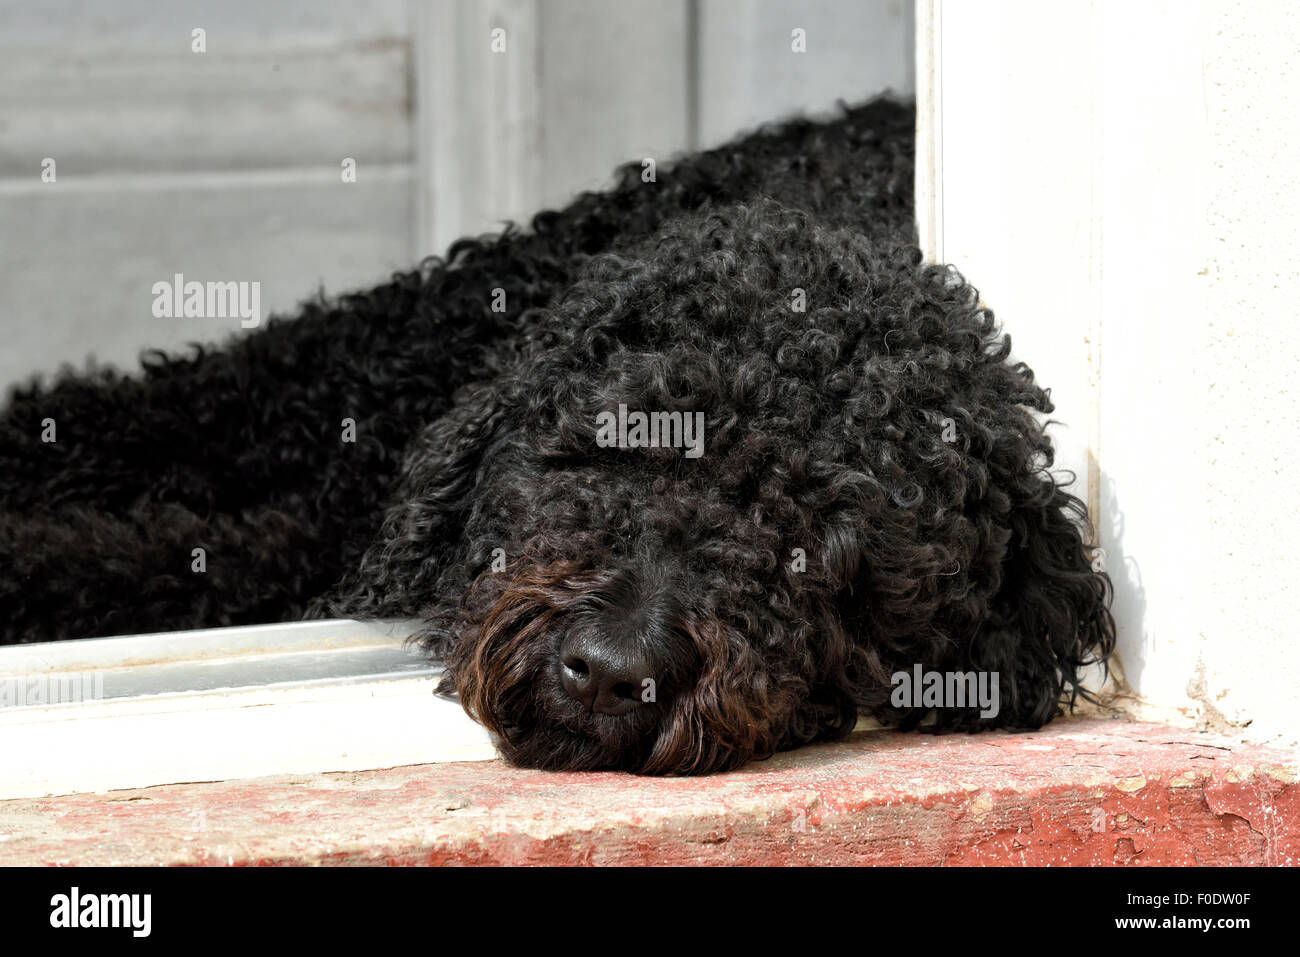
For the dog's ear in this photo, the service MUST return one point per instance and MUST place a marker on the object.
(1051, 618)
(396, 576)
(441, 464)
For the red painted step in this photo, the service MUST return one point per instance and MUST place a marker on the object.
(1082, 792)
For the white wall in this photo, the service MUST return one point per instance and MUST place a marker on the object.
(1122, 180)
(1248, 445)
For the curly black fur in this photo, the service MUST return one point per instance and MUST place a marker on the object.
(237, 449)
(824, 434)
(873, 492)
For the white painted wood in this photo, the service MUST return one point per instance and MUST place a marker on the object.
(749, 74)
(180, 647)
(222, 704)
(144, 130)
(117, 88)
(230, 734)
(929, 129)
(479, 132)
(60, 23)
(1008, 189)
(581, 88)
(614, 84)
(1121, 181)
(293, 232)
(436, 166)
(585, 86)
(1156, 391)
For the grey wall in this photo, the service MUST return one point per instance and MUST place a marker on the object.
(225, 165)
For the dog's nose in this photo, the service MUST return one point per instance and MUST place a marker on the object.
(602, 677)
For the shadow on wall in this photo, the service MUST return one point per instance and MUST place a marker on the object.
(1130, 603)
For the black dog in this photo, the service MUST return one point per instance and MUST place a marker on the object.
(838, 493)
(690, 501)
(239, 450)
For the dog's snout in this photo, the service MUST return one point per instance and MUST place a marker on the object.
(602, 676)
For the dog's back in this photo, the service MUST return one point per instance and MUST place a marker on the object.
(239, 450)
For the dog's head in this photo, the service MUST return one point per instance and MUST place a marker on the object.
(708, 506)
(668, 454)
(634, 665)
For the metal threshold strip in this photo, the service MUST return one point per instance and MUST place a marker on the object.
(305, 697)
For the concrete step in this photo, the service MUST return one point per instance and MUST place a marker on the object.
(1081, 792)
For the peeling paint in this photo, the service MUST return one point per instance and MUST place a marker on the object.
(1106, 793)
